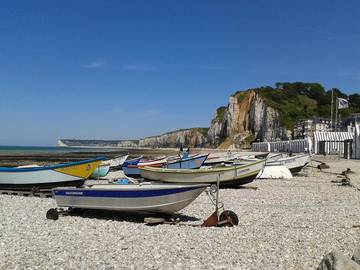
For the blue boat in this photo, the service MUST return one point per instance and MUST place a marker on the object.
(130, 167)
(194, 162)
(134, 198)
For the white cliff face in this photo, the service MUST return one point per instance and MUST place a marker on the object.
(265, 122)
(247, 115)
(186, 138)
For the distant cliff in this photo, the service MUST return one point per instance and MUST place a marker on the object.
(193, 137)
(98, 143)
(265, 114)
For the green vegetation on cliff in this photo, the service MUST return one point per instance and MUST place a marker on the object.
(304, 100)
(220, 112)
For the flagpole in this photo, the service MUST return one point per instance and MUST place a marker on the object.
(336, 113)
(332, 108)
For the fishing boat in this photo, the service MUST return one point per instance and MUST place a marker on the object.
(101, 171)
(28, 178)
(159, 162)
(145, 197)
(116, 162)
(193, 162)
(218, 158)
(227, 175)
(130, 167)
(294, 163)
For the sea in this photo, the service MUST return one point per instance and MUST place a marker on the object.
(28, 150)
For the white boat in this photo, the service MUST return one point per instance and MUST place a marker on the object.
(294, 163)
(116, 162)
(228, 175)
(158, 162)
(138, 198)
(33, 176)
(217, 158)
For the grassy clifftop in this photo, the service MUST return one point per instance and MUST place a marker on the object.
(303, 100)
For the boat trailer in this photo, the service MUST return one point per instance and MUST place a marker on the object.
(219, 218)
(226, 218)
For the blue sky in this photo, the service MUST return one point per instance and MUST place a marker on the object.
(129, 69)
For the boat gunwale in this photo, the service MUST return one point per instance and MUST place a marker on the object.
(52, 167)
(197, 156)
(133, 159)
(125, 193)
(192, 171)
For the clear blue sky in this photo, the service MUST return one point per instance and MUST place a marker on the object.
(129, 69)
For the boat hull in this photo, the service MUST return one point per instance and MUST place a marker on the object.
(116, 163)
(189, 163)
(295, 163)
(100, 171)
(47, 177)
(228, 176)
(165, 199)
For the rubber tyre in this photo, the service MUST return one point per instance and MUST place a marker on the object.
(52, 214)
(229, 215)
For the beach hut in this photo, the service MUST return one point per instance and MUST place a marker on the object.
(293, 146)
(331, 143)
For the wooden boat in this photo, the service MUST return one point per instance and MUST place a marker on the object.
(294, 163)
(218, 158)
(130, 167)
(193, 162)
(159, 162)
(116, 162)
(101, 171)
(137, 198)
(69, 174)
(227, 175)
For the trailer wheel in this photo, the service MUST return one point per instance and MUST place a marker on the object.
(229, 216)
(52, 213)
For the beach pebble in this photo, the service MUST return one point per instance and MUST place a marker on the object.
(337, 261)
(356, 255)
(284, 224)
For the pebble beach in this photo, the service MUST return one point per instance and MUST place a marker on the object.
(284, 224)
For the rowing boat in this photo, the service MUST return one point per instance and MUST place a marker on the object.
(69, 174)
(227, 175)
(116, 162)
(193, 162)
(101, 171)
(294, 163)
(137, 198)
(130, 167)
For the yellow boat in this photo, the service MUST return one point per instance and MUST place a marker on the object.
(27, 178)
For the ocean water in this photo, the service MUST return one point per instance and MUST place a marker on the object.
(8, 150)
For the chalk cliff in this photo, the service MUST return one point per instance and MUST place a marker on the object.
(193, 137)
(246, 117)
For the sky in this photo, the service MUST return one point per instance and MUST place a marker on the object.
(129, 69)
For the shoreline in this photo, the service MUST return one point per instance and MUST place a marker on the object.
(19, 159)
